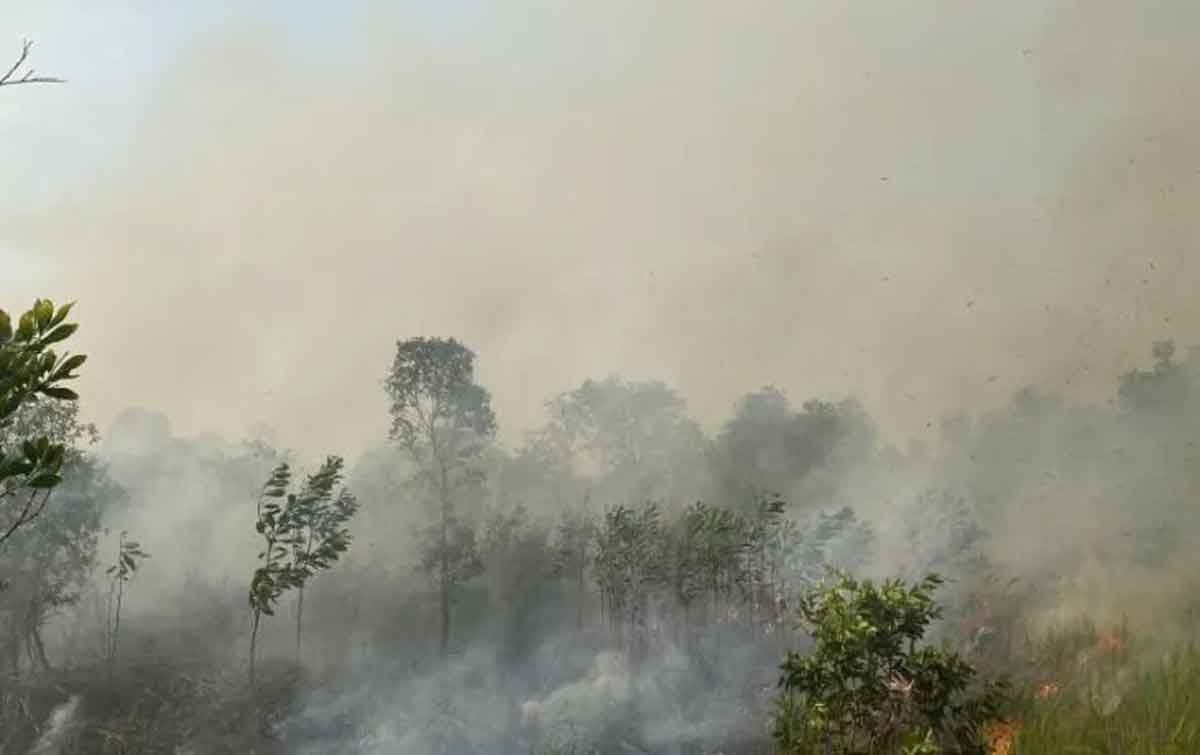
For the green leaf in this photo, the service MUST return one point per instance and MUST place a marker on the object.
(43, 312)
(6, 329)
(59, 392)
(61, 333)
(69, 365)
(26, 326)
(63, 311)
(45, 481)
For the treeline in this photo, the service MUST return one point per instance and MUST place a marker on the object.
(618, 530)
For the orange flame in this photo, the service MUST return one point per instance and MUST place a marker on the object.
(1000, 736)
(1111, 642)
(1048, 690)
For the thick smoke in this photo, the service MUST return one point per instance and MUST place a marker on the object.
(62, 718)
(973, 220)
(697, 192)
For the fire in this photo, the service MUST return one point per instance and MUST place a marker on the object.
(1111, 642)
(1000, 736)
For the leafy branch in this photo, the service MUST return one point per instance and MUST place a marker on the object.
(29, 367)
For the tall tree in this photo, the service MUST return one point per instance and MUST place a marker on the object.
(768, 446)
(634, 439)
(444, 420)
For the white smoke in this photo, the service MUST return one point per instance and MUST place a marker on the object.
(58, 725)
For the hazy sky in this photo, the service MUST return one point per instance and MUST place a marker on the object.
(925, 203)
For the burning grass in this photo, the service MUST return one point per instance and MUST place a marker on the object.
(1088, 691)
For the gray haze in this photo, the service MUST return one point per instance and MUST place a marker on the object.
(898, 200)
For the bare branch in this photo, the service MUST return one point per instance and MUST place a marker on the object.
(29, 77)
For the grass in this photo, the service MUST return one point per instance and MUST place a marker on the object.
(1091, 692)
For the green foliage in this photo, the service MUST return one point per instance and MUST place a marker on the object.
(443, 419)
(768, 443)
(1118, 706)
(30, 368)
(519, 564)
(435, 400)
(47, 563)
(320, 520)
(280, 532)
(946, 520)
(449, 552)
(868, 686)
(573, 544)
(302, 532)
(801, 554)
(708, 546)
(629, 560)
(635, 439)
(129, 557)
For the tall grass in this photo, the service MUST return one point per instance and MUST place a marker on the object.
(1092, 692)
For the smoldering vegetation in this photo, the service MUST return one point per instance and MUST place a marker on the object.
(619, 582)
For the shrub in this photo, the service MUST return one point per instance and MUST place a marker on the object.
(870, 686)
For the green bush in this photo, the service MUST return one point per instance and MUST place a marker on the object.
(870, 686)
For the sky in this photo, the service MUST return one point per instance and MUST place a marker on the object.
(924, 204)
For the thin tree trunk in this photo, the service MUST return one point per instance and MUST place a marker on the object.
(37, 654)
(299, 619)
(29, 650)
(254, 644)
(580, 599)
(108, 624)
(40, 647)
(117, 621)
(445, 591)
(443, 544)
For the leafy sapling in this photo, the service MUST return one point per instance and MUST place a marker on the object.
(129, 557)
(277, 527)
(303, 533)
(320, 521)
